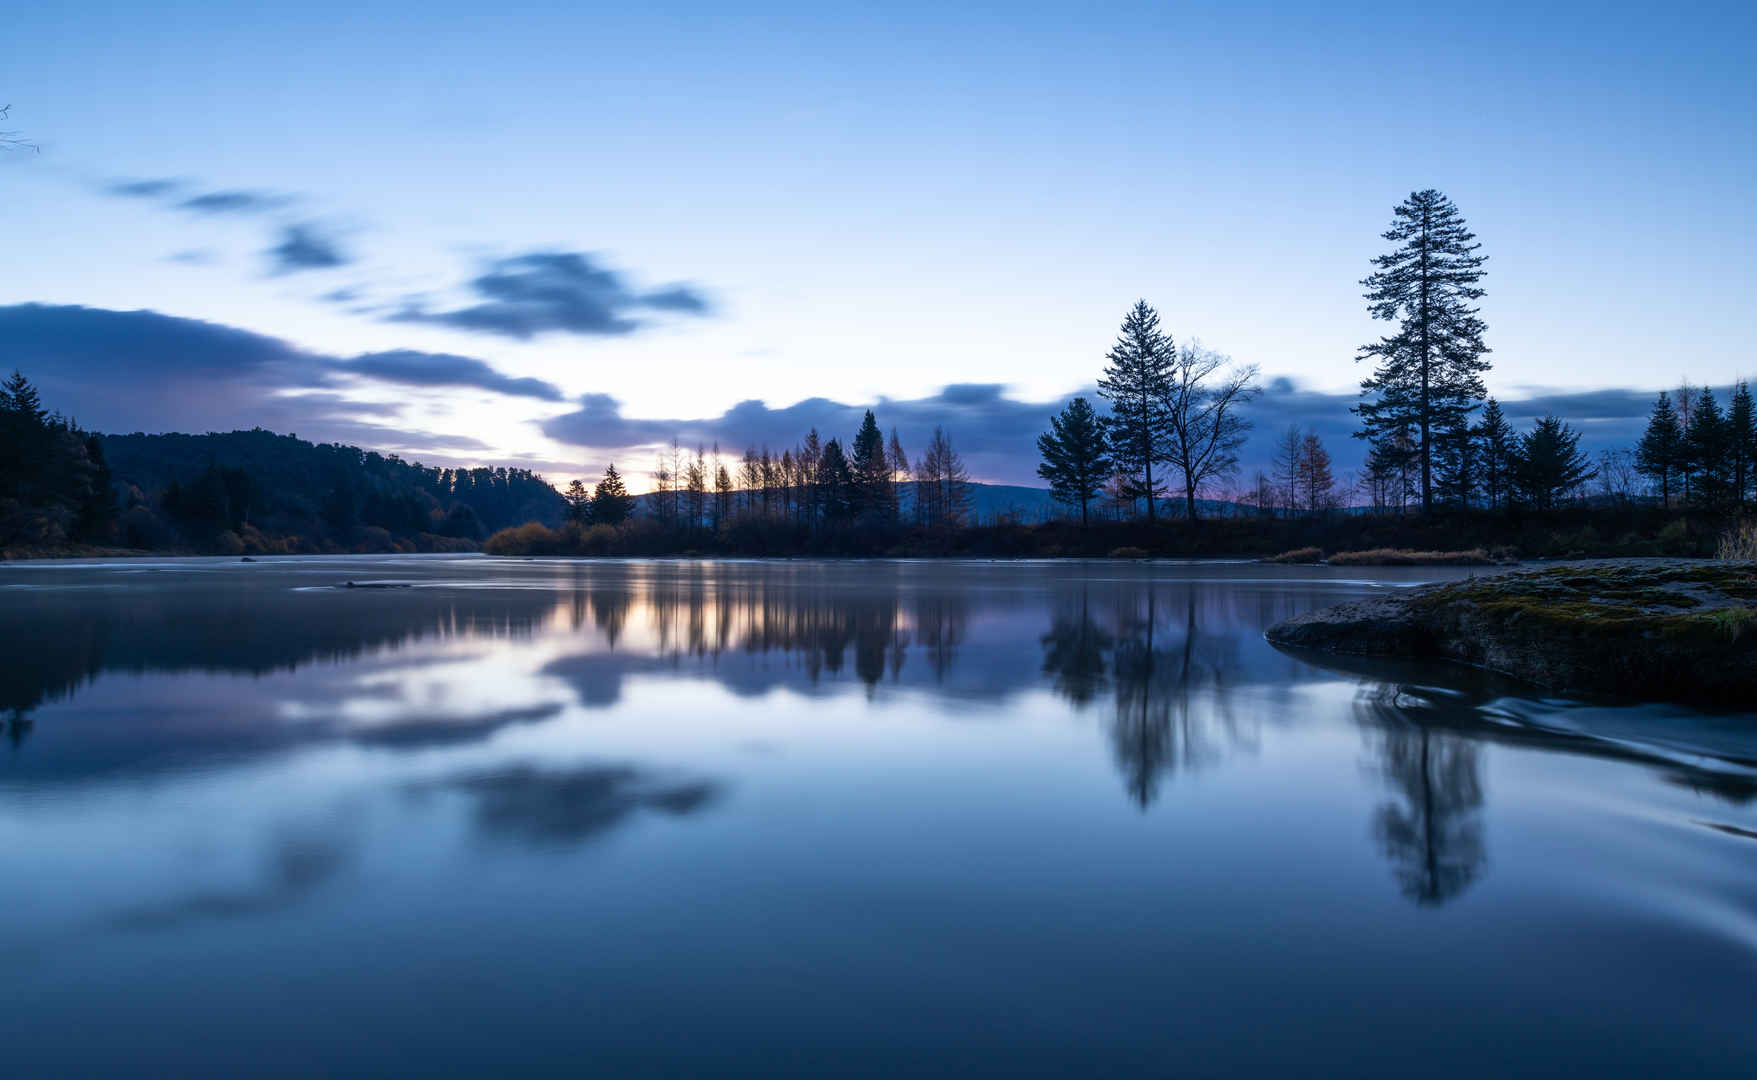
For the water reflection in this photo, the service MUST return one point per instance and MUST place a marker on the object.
(663, 809)
(540, 808)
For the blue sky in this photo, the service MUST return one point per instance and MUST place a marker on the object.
(858, 204)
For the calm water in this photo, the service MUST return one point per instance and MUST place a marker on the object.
(682, 818)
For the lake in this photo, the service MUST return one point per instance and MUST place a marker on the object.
(688, 818)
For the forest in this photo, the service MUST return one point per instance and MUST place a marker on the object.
(1151, 467)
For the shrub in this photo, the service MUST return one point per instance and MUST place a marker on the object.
(1739, 543)
(531, 538)
(1298, 555)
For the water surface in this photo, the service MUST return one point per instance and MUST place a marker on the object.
(809, 818)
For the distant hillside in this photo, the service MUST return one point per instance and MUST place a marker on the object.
(259, 486)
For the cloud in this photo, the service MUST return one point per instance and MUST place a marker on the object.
(304, 247)
(192, 257)
(234, 202)
(144, 189)
(444, 369)
(124, 371)
(995, 433)
(559, 292)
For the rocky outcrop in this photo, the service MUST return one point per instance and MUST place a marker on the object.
(1650, 629)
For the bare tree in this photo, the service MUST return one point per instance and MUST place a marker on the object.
(1203, 410)
(12, 140)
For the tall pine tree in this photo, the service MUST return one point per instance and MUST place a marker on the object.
(1137, 381)
(1429, 373)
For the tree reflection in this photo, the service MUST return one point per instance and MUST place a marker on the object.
(1170, 684)
(1431, 832)
(1076, 655)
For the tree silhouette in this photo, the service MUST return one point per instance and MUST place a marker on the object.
(872, 470)
(1075, 461)
(1204, 424)
(1429, 372)
(1494, 452)
(1137, 381)
(611, 502)
(579, 502)
(1549, 463)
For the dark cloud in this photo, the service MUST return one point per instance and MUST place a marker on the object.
(995, 433)
(555, 292)
(124, 371)
(305, 247)
(144, 189)
(444, 369)
(234, 202)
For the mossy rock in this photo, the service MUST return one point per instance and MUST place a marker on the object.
(1651, 629)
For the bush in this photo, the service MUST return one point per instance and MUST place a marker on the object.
(531, 538)
(1739, 543)
(1128, 553)
(1298, 555)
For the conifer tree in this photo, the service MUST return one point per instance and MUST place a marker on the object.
(579, 502)
(722, 496)
(1549, 463)
(835, 484)
(1137, 381)
(1074, 459)
(871, 468)
(1710, 452)
(1429, 373)
(611, 502)
(899, 465)
(1742, 421)
(1316, 484)
(1494, 452)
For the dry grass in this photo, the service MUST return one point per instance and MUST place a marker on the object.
(1406, 557)
(1298, 555)
(1128, 553)
(1739, 544)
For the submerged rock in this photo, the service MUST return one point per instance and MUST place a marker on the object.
(1653, 629)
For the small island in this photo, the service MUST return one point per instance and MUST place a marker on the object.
(1654, 629)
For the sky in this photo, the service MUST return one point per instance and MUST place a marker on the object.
(558, 234)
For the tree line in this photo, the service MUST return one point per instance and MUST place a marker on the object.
(1435, 438)
(812, 487)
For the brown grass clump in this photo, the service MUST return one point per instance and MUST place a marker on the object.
(1298, 555)
(1739, 544)
(1406, 557)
